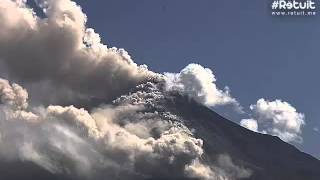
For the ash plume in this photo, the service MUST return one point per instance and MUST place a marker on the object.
(59, 60)
(62, 54)
(115, 140)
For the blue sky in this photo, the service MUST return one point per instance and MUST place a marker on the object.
(255, 54)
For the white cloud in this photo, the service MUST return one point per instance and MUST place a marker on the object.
(278, 118)
(199, 83)
(250, 124)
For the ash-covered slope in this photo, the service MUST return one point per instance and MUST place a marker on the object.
(158, 134)
(268, 157)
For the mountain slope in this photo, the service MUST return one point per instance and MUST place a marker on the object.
(240, 153)
(268, 156)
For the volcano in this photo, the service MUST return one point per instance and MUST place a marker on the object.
(240, 152)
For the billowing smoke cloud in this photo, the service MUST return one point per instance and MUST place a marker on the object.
(277, 118)
(122, 140)
(225, 170)
(60, 55)
(199, 83)
(59, 60)
(13, 95)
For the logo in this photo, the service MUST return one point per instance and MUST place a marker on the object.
(293, 8)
